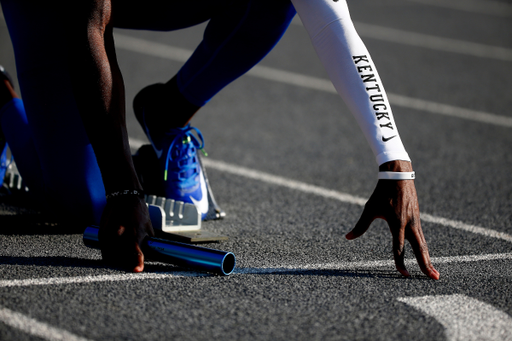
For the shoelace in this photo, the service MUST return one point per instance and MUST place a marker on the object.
(185, 137)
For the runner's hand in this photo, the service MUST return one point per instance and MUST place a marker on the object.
(124, 224)
(397, 203)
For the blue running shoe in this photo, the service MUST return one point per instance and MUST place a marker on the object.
(182, 178)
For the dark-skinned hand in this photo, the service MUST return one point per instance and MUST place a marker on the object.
(396, 202)
(124, 225)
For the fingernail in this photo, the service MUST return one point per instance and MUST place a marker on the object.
(404, 273)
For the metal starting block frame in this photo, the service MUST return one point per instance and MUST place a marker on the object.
(178, 220)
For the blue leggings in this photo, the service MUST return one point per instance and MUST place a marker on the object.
(48, 140)
(239, 34)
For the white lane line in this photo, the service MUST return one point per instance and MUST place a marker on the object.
(151, 48)
(281, 181)
(450, 110)
(291, 78)
(359, 265)
(433, 42)
(489, 7)
(97, 278)
(343, 197)
(320, 84)
(362, 265)
(464, 318)
(427, 41)
(408, 262)
(331, 194)
(34, 327)
(465, 227)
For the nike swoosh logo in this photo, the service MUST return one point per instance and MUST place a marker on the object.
(386, 139)
(157, 151)
(202, 204)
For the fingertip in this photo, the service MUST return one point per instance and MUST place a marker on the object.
(404, 272)
(434, 274)
(138, 268)
(350, 236)
(139, 261)
(431, 272)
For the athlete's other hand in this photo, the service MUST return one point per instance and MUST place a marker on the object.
(396, 202)
(124, 224)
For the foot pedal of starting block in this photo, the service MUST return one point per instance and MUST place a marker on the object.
(178, 221)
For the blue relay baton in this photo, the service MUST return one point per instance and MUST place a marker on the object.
(181, 254)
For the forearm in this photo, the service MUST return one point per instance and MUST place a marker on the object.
(353, 73)
(396, 166)
(99, 92)
(113, 154)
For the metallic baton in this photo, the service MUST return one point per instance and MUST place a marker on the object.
(181, 254)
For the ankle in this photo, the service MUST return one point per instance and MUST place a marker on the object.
(182, 110)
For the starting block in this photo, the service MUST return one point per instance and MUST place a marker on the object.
(12, 180)
(178, 220)
(171, 219)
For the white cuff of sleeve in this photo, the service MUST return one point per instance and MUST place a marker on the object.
(397, 175)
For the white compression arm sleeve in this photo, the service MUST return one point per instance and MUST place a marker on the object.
(351, 70)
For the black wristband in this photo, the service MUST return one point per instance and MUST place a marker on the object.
(125, 192)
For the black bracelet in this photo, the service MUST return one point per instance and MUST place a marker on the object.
(125, 192)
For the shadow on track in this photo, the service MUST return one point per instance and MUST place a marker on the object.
(56, 261)
(52, 261)
(16, 220)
